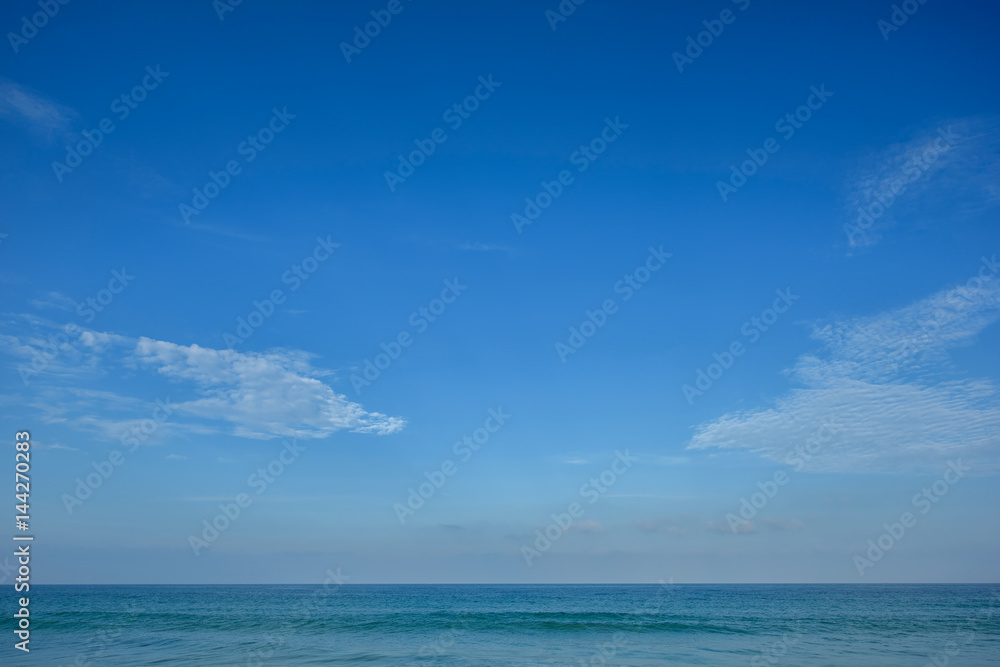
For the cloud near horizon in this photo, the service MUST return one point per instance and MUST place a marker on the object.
(884, 382)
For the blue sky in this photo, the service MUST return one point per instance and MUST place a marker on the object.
(246, 172)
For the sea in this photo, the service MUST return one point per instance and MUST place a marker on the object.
(511, 625)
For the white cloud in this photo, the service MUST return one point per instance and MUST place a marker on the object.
(48, 349)
(955, 166)
(261, 395)
(256, 395)
(884, 381)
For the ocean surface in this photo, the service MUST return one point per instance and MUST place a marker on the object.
(509, 625)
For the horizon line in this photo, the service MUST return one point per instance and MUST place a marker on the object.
(692, 583)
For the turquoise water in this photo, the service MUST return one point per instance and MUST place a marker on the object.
(510, 625)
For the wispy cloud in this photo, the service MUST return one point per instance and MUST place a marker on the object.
(587, 527)
(43, 117)
(54, 300)
(259, 395)
(106, 415)
(887, 383)
(262, 395)
(782, 523)
(55, 445)
(723, 527)
(450, 244)
(45, 346)
(478, 246)
(669, 525)
(954, 165)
